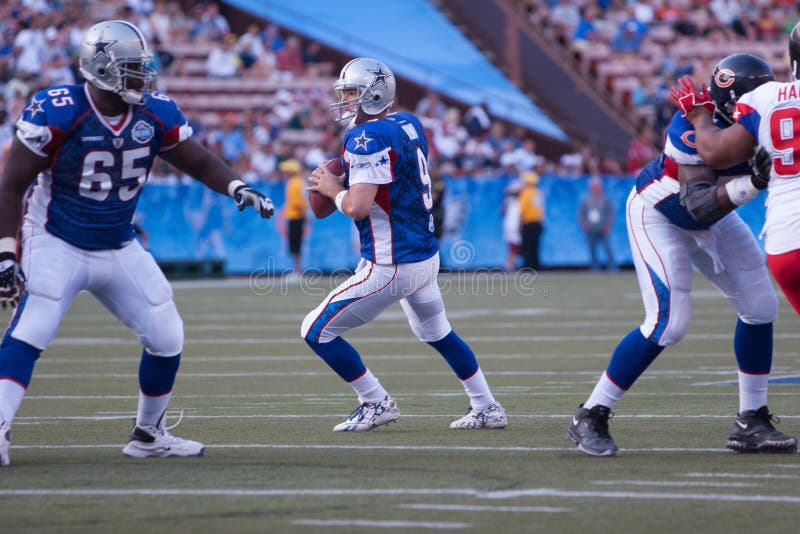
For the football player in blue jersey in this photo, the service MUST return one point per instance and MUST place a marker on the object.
(386, 190)
(678, 219)
(79, 159)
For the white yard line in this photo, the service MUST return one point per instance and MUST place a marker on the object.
(189, 415)
(678, 483)
(468, 508)
(339, 492)
(410, 448)
(758, 476)
(369, 523)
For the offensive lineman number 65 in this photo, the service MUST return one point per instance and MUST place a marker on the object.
(97, 185)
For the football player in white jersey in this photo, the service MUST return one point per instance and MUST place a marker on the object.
(767, 118)
(386, 190)
(81, 155)
(674, 224)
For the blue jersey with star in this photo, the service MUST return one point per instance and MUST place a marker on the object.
(97, 166)
(392, 153)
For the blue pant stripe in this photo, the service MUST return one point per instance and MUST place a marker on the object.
(662, 295)
(327, 314)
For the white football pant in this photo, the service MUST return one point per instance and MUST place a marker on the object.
(372, 289)
(127, 281)
(663, 254)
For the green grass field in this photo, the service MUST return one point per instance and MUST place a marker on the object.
(265, 405)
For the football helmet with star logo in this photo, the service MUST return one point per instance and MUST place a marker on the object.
(114, 57)
(374, 86)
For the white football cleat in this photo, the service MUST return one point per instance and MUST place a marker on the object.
(370, 415)
(149, 440)
(5, 443)
(492, 417)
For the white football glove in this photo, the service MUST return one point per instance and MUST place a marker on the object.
(12, 280)
(244, 195)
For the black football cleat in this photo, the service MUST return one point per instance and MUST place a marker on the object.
(589, 431)
(753, 431)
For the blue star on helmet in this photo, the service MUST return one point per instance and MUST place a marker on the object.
(35, 106)
(380, 76)
(362, 141)
(101, 47)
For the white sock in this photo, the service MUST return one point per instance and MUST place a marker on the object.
(605, 393)
(752, 391)
(11, 394)
(368, 388)
(480, 396)
(151, 408)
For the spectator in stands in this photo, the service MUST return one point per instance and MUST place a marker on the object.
(531, 209)
(289, 60)
(229, 140)
(430, 106)
(312, 53)
(522, 158)
(162, 58)
(595, 215)
(511, 223)
(477, 120)
(295, 209)
(273, 41)
(564, 17)
(251, 51)
(223, 61)
(630, 34)
(212, 25)
(641, 150)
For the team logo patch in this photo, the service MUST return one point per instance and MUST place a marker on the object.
(142, 132)
(688, 139)
(362, 141)
(117, 142)
(724, 77)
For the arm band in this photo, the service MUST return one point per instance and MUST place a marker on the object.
(234, 185)
(741, 190)
(8, 244)
(339, 199)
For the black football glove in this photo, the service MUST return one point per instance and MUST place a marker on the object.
(12, 280)
(762, 168)
(244, 195)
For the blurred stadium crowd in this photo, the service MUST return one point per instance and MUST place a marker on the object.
(634, 50)
(262, 97)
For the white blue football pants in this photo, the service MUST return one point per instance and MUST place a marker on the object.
(664, 254)
(127, 281)
(372, 289)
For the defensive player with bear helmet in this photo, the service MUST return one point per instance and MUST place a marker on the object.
(676, 221)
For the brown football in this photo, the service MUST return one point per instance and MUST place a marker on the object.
(321, 205)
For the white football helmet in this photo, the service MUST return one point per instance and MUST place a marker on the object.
(374, 84)
(114, 57)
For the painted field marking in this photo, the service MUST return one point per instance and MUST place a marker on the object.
(742, 475)
(435, 525)
(111, 416)
(338, 492)
(409, 448)
(682, 483)
(469, 508)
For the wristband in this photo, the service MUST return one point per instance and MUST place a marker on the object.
(8, 244)
(339, 199)
(741, 190)
(233, 186)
